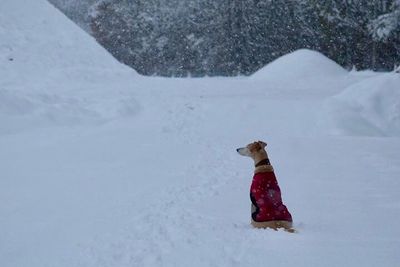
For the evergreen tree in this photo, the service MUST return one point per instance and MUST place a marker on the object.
(233, 37)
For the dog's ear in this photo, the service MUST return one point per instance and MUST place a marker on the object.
(262, 144)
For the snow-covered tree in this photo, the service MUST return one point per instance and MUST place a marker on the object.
(386, 30)
(231, 37)
(347, 27)
(386, 25)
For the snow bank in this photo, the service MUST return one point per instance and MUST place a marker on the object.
(368, 108)
(36, 38)
(301, 69)
(49, 67)
(301, 64)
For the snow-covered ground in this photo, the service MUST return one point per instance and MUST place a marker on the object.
(102, 167)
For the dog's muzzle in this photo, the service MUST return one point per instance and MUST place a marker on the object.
(243, 151)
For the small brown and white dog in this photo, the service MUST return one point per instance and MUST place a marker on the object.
(267, 208)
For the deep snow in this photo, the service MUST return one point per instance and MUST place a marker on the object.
(103, 167)
(370, 107)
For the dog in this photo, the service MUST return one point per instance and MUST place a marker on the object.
(267, 208)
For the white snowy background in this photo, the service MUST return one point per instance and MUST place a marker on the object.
(100, 166)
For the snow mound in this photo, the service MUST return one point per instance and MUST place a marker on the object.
(368, 108)
(301, 64)
(36, 37)
(50, 69)
(303, 68)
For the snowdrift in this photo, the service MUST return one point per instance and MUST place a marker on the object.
(49, 69)
(36, 38)
(303, 68)
(301, 64)
(368, 108)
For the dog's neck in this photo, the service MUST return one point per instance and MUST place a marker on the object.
(264, 168)
(263, 162)
(263, 165)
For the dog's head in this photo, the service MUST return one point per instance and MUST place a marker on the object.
(250, 149)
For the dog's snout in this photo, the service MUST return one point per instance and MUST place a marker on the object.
(243, 151)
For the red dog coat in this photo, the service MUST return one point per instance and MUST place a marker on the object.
(266, 198)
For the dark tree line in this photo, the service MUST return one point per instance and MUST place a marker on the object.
(231, 37)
